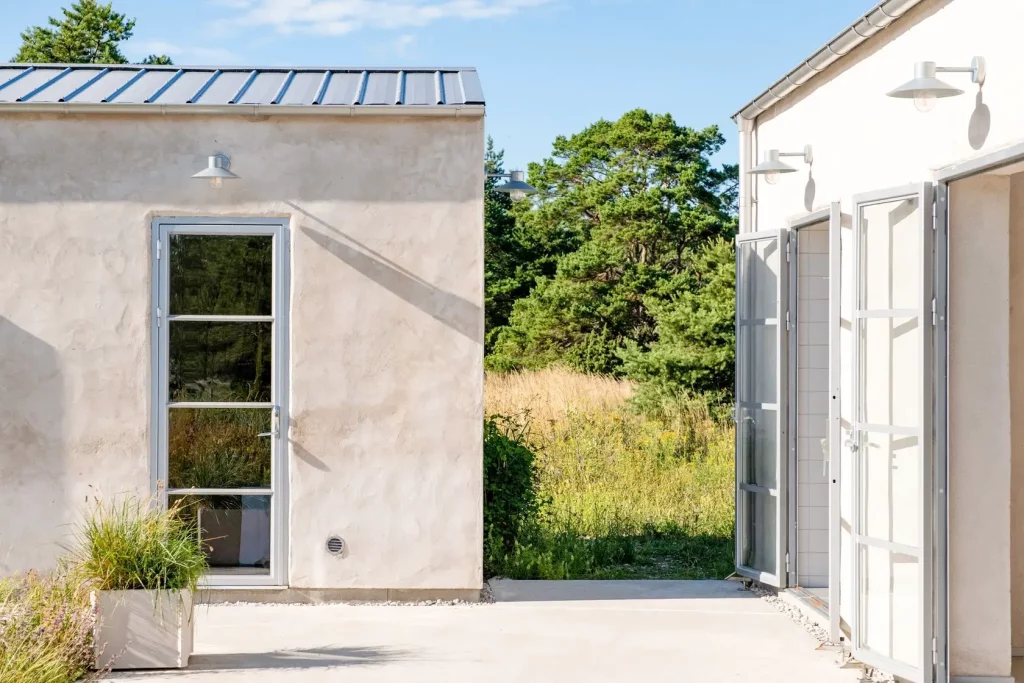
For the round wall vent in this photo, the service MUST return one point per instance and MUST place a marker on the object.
(335, 545)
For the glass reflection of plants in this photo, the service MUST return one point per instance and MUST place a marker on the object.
(190, 507)
(220, 361)
(219, 448)
(220, 275)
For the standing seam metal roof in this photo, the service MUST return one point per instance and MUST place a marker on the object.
(100, 84)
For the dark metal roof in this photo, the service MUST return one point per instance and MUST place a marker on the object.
(99, 84)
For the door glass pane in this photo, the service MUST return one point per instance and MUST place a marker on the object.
(890, 255)
(890, 614)
(220, 361)
(219, 448)
(889, 479)
(221, 275)
(757, 368)
(757, 438)
(234, 531)
(760, 532)
(890, 365)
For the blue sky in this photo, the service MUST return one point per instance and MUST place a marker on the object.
(549, 67)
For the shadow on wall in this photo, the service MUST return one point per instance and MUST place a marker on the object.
(980, 124)
(33, 476)
(461, 315)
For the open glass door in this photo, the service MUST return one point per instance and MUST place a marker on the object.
(761, 284)
(890, 437)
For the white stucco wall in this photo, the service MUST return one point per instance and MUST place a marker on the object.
(979, 430)
(386, 392)
(864, 141)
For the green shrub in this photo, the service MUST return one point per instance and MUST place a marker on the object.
(134, 544)
(46, 627)
(510, 497)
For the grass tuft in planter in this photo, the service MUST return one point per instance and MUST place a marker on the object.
(145, 564)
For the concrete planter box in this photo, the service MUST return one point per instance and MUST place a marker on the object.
(143, 629)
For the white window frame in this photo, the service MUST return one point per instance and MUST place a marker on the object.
(162, 229)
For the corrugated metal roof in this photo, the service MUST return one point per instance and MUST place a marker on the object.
(209, 87)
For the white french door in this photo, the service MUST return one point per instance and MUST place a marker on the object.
(761, 356)
(889, 441)
(220, 372)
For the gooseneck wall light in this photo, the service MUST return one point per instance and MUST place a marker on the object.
(218, 170)
(515, 186)
(925, 89)
(772, 167)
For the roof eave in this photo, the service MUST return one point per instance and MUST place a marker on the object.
(461, 110)
(879, 17)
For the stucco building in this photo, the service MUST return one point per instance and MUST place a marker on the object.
(294, 354)
(880, 373)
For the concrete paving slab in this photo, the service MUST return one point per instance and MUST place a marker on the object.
(547, 631)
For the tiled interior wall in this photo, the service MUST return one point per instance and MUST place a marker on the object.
(812, 406)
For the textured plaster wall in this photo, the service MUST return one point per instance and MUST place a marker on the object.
(979, 430)
(386, 230)
(864, 141)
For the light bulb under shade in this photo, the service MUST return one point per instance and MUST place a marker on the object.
(517, 195)
(771, 178)
(925, 103)
(216, 183)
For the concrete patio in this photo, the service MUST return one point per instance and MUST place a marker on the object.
(537, 631)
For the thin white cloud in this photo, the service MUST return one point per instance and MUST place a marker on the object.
(195, 54)
(338, 17)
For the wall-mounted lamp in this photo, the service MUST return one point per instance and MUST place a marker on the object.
(771, 167)
(217, 171)
(926, 88)
(516, 184)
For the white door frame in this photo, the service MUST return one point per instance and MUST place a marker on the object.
(778, 578)
(828, 217)
(162, 228)
(922, 671)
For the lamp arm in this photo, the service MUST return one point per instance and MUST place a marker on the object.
(499, 175)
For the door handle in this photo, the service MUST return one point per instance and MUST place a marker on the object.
(275, 424)
(852, 445)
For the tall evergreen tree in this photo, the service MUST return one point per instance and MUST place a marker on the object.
(625, 208)
(88, 33)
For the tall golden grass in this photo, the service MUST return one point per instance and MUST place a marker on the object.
(606, 471)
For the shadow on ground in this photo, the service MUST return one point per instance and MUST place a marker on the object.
(311, 658)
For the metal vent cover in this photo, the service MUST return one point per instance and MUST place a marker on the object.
(335, 545)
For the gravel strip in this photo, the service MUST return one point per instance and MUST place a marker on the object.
(870, 674)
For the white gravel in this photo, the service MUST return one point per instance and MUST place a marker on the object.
(797, 615)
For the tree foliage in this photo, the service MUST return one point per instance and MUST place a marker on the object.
(89, 32)
(629, 225)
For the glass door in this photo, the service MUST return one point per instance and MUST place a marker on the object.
(891, 434)
(221, 332)
(761, 351)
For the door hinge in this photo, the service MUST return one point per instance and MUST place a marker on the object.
(787, 563)
(789, 248)
(935, 318)
(935, 651)
(159, 316)
(787, 321)
(159, 248)
(935, 215)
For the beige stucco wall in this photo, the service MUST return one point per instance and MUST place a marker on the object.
(386, 392)
(864, 141)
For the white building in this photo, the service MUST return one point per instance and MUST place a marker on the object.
(879, 292)
(316, 394)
